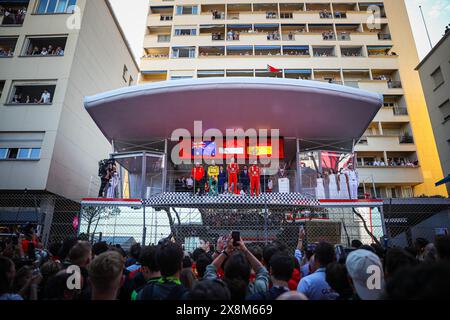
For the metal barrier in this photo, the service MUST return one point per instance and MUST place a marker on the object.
(198, 220)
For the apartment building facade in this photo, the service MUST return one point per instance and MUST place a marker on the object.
(368, 45)
(52, 54)
(434, 72)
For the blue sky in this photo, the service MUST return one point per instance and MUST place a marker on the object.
(437, 15)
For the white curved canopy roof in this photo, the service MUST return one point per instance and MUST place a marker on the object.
(309, 110)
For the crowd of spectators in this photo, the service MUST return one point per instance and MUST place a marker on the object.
(13, 16)
(44, 98)
(218, 15)
(393, 163)
(6, 52)
(232, 35)
(45, 51)
(230, 270)
(275, 35)
(329, 35)
(325, 14)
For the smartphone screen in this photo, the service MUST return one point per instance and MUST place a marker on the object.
(236, 236)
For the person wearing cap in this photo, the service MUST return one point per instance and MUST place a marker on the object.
(314, 286)
(366, 274)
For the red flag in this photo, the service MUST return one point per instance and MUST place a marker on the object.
(272, 69)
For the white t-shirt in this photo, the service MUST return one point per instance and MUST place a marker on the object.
(45, 97)
(189, 182)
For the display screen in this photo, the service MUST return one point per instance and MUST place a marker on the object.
(239, 148)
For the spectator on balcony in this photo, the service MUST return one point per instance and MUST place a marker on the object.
(230, 34)
(35, 51)
(59, 51)
(290, 35)
(45, 97)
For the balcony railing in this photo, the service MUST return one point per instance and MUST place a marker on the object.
(384, 36)
(400, 111)
(344, 36)
(406, 139)
(12, 17)
(394, 84)
(233, 16)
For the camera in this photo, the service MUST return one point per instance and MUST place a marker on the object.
(103, 166)
(236, 236)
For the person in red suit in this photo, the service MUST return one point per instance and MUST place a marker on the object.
(198, 174)
(233, 171)
(255, 175)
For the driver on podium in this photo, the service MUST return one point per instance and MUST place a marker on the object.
(198, 173)
(213, 174)
(233, 171)
(255, 182)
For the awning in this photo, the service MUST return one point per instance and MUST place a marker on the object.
(154, 72)
(296, 47)
(310, 110)
(443, 181)
(302, 71)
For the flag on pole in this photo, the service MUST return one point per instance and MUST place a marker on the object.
(272, 69)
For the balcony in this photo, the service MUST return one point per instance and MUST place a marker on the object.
(384, 36)
(12, 13)
(384, 143)
(392, 175)
(7, 46)
(44, 46)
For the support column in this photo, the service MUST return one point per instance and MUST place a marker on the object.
(143, 175)
(164, 167)
(298, 173)
(47, 207)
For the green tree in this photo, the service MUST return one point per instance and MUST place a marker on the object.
(93, 214)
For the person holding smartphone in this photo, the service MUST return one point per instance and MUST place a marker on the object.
(238, 264)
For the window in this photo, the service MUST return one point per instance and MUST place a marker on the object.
(183, 52)
(164, 38)
(445, 111)
(20, 153)
(187, 10)
(3, 153)
(286, 15)
(13, 12)
(437, 77)
(48, 46)
(32, 93)
(55, 6)
(2, 85)
(185, 32)
(7, 46)
(125, 73)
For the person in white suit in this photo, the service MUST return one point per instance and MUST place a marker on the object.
(353, 182)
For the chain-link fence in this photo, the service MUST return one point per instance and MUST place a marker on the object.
(205, 219)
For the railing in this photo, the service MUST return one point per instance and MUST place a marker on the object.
(13, 18)
(233, 16)
(406, 139)
(400, 111)
(394, 84)
(344, 36)
(353, 84)
(384, 36)
(166, 18)
(288, 37)
(340, 15)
